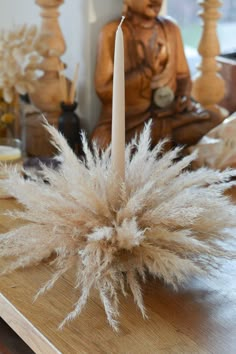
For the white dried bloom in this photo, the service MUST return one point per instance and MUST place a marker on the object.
(21, 87)
(18, 54)
(164, 220)
(19, 60)
(8, 94)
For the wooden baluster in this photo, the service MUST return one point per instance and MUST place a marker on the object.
(47, 96)
(208, 85)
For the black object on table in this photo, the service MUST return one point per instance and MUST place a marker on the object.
(69, 126)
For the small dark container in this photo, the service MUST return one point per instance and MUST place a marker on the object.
(25, 98)
(69, 126)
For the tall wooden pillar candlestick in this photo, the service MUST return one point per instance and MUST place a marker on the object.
(47, 96)
(208, 85)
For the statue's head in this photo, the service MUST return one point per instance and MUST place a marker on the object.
(147, 8)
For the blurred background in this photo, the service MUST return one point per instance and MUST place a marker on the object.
(190, 24)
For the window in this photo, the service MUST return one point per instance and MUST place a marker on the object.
(190, 24)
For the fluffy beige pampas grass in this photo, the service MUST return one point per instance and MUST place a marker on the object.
(164, 220)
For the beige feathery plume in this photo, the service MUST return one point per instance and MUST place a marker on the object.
(166, 221)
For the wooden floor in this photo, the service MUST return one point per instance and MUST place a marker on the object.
(200, 318)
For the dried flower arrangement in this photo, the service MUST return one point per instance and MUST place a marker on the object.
(20, 54)
(163, 220)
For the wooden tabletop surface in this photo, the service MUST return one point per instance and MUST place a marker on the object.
(200, 318)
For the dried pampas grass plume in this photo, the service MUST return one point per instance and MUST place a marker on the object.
(164, 220)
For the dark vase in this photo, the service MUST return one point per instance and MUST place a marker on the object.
(25, 98)
(69, 126)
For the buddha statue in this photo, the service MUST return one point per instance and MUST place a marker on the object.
(157, 79)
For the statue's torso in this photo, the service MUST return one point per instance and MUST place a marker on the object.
(141, 42)
(150, 63)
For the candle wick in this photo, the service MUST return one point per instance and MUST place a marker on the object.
(121, 22)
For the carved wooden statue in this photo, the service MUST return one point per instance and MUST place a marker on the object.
(158, 83)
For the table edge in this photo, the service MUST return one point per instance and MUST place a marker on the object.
(25, 329)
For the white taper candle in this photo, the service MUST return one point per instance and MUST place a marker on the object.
(118, 107)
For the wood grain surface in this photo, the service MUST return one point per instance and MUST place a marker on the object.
(199, 319)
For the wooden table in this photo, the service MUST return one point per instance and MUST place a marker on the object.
(198, 319)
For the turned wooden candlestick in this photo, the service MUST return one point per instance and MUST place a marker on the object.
(208, 85)
(47, 96)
